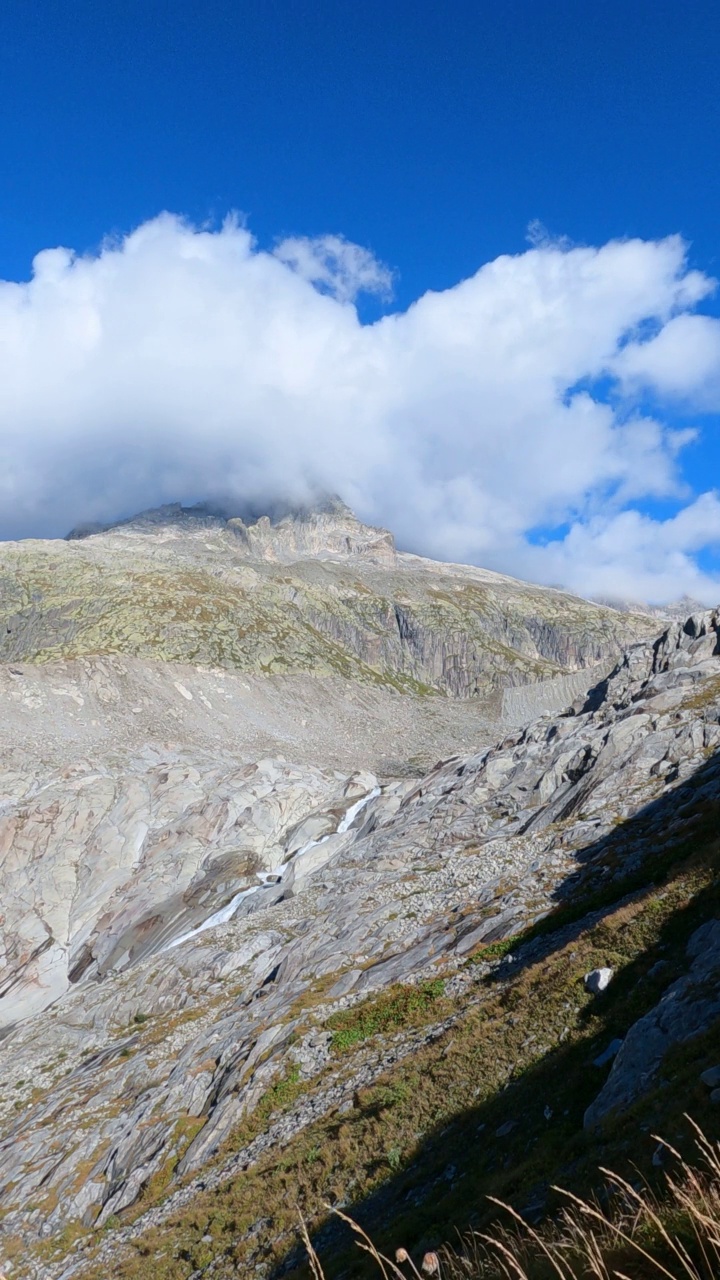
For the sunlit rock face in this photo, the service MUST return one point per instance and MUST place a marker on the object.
(104, 866)
(330, 532)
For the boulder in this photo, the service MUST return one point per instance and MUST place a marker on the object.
(597, 980)
(688, 1008)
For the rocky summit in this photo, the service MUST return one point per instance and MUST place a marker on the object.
(311, 853)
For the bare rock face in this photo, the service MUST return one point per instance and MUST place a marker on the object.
(102, 867)
(363, 886)
(330, 532)
(313, 593)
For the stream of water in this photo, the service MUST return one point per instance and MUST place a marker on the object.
(226, 913)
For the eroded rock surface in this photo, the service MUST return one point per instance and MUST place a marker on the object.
(104, 866)
(149, 1059)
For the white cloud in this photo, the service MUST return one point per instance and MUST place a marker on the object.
(630, 556)
(335, 265)
(180, 363)
(683, 359)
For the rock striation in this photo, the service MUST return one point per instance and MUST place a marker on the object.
(151, 1053)
(102, 867)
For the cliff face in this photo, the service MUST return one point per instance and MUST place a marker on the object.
(318, 593)
(328, 533)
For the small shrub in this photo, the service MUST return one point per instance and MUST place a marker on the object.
(400, 1006)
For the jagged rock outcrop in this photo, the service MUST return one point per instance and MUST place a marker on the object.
(689, 1007)
(426, 870)
(330, 531)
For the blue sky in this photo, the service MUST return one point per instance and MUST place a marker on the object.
(430, 135)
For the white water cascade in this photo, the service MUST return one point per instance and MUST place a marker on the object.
(351, 814)
(226, 913)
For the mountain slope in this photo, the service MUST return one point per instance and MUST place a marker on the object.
(252, 1037)
(246, 915)
(316, 593)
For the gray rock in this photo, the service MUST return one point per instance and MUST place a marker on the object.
(688, 1008)
(505, 1129)
(608, 1054)
(711, 1077)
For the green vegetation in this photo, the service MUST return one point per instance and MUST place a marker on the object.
(398, 1007)
(280, 1095)
(498, 950)
(491, 1106)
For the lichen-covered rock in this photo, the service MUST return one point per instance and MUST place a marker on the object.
(318, 592)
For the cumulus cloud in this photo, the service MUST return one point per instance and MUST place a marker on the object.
(633, 557)
(336, 266)
(682, 359)
(180, 363)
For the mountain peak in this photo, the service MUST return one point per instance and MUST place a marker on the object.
(328, 529)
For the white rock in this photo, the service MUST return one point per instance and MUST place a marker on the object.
(597, 980)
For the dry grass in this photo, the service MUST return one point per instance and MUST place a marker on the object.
(636, 1234)
(524, 1047)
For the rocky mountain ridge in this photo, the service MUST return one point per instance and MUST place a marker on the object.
(318, 593)
(326, 531)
